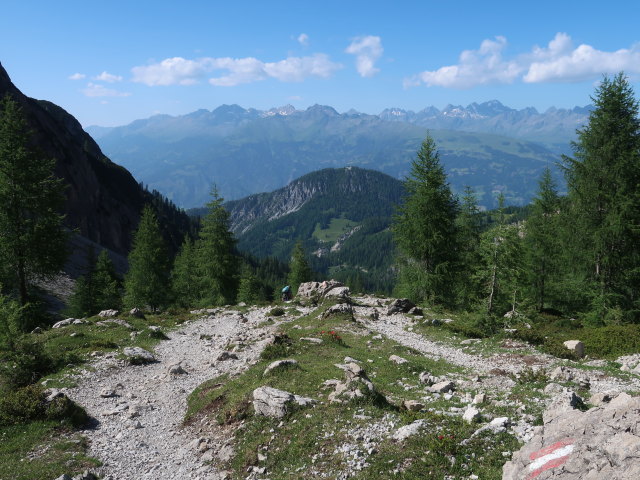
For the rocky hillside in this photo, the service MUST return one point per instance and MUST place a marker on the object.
(245, 151)
(355, 387)
(103, 200)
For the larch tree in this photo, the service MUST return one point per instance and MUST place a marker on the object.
(542, 245)
(217, 261)
(604, 189)
(33, 243)
(184, 275)
(147, 281)
(299, 269)
(425, 231)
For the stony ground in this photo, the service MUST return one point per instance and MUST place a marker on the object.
(139, 410)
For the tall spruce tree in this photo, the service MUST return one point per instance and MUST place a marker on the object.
(184, 276)
(299, 269)
(147, 281)
(249, 290)
(425, 231)
(105, 284)
(32, 239)
(603, 179)
(217, 261)
(542, 245)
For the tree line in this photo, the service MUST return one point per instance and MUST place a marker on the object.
(577, 254)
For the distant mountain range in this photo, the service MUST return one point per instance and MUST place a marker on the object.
(245, 151)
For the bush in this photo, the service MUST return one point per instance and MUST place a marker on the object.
(277, 312)
(29, 403)
(25, 364)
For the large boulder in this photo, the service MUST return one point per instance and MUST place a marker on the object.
(138, 356)
(320, 290)
(400, 305)
(271, 402)
(356, 385)
(603, 442)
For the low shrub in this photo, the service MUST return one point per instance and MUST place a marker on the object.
(25, 364)
(29, 403)
(277, 312)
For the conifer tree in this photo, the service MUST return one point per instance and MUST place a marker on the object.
(299, 269)
(603, 179)
(425, 231)
(469, 229)
(32, 239)
(217, 262)
(184, 276)
(542, 241)
(249, 290)
(105, 284)
(146, 282)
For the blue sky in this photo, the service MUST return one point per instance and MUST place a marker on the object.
(109, 63)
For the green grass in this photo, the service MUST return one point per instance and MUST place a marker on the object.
(41, 450)
(337, 227)
(304, 444)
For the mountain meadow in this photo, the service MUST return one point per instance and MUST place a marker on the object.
(373, 299)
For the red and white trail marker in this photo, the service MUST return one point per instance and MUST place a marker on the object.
(549, 457)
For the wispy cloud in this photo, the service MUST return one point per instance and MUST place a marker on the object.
(559, 61)
(367, 51)
(181, 71)
(77, 76)
(97, 90)
(303, 39)
(108, 77)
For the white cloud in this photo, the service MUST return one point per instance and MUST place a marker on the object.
(108, 77)
(582, 63)
(77, 76)
(367, 51)
(180, 71)
(303, 39)
(559, 61)
(96, 90)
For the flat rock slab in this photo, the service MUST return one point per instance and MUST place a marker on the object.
(271, 402)
(138, 355)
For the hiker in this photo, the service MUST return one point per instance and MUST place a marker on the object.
(286, 293)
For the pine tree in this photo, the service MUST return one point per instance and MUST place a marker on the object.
(425, 231)
(184, 276)
(603, 179)
(541, 241)
(249, 290)
(106, 290)
(33, 243)
(299, 269)
(217, 262)
(146, 282)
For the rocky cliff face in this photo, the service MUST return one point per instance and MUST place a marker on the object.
(103, 200)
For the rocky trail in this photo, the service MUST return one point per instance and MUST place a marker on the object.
(138, 410)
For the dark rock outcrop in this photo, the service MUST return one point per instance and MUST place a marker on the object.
(103, 200)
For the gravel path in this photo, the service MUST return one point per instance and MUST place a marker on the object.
(139, 433)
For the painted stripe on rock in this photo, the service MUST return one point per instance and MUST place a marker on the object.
(550, 457)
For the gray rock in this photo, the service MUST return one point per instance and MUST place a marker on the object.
(479, 399)
(272, 402)
(413, 405)
(442, 387)
(563, 402)
(280, 364)
(356, 385)
(227, 356)
(136, 312)
(426, 378)
(575, 346)
(601, 443)
(138, 355)
(338, 309)
(108, 393)
(600, 399)
(317, 341)
(108, 313)
(409, 430)
(400, 305)
(398, 360)
(471, 415)
(562, 373)
(176, 369)
(63, 323)
(552, 388)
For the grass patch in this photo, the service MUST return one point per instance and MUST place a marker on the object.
(306, 444)
(41, 450)
(336, 227)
